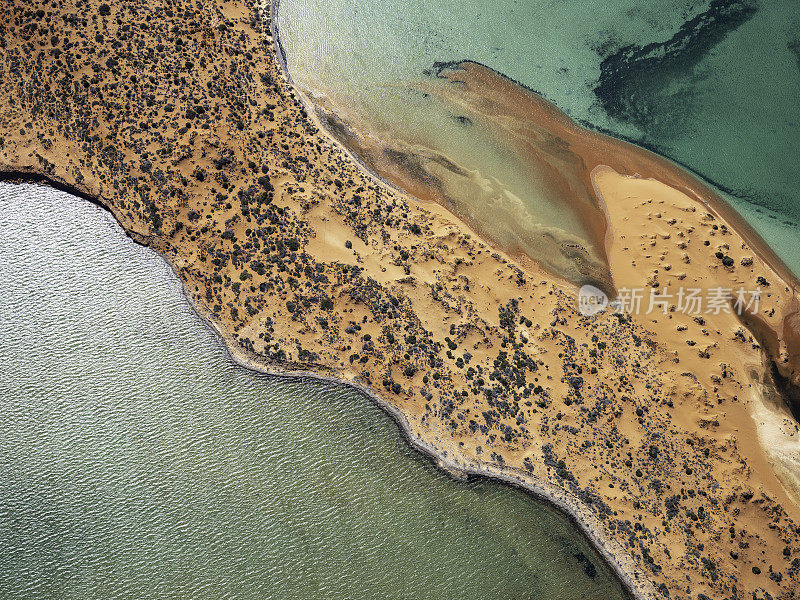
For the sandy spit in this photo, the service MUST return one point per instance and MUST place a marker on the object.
(647, 427)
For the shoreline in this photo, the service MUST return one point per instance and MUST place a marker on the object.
(456, 470)
(317, 115)
(308, 105)
(644, 162)
(703, 193)
(633, 588)
(589, 150)
(308, 267)
(699, 187)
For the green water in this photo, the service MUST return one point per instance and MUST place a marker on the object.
(137, 461)
(712, 85)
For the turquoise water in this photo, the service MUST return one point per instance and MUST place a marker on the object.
(712, 85)
(137, 461)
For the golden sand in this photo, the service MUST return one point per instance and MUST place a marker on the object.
(651, 431)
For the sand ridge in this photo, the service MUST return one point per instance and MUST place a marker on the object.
(177, 117)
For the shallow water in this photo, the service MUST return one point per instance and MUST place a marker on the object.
(722, 97)
(137, 461)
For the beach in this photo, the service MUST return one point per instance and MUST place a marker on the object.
(307, 264)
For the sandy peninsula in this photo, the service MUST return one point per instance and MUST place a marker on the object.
(668, 437)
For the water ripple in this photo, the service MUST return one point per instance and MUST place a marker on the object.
(136, 462)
